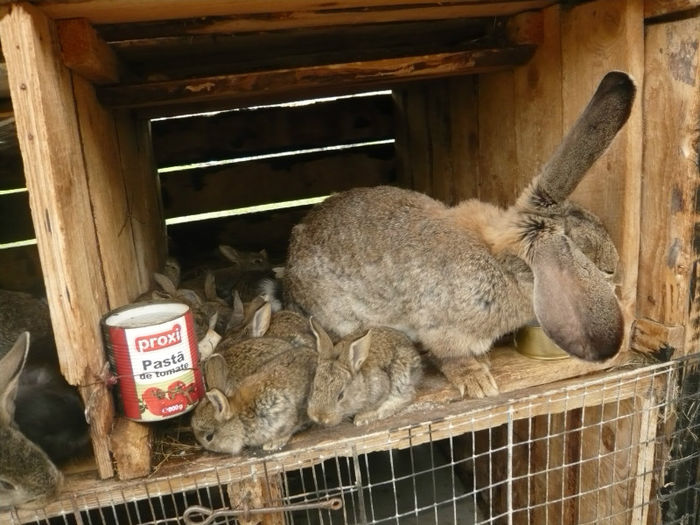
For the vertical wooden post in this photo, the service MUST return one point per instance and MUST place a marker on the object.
(669, 254)
(76, 167)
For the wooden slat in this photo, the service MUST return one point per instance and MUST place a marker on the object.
(272, 130)
(654, 8)
(268, 181)
(497, 153)
(437, 138)
(597, 37)
(670, 183)
(649, 337)
(331, 79)
(84, 52)
(538, 103)
(145, 211)
(295, 12)
(15, 218)
(118, 253)
(178, 50)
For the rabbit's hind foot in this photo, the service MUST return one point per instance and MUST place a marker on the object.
(470, 375)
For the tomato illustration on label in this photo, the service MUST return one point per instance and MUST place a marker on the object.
(162, 403)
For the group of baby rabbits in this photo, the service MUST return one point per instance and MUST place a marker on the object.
(271, 372)
(276, 372)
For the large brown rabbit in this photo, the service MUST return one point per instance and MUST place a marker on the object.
(457, 278)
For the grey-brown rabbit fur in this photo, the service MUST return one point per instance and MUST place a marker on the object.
(370, 375)
(263, 409)
(26, 472)
(457, 278)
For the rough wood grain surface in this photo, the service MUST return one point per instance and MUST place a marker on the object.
(669, 206)
(333, 79)
(294, 13)
(84, 52)
(57, 181)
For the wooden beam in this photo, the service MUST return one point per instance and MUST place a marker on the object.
(650, 337)
(84, 52)
(330, 78)
(49, 136)
(189, 192)
(669, 205)
(235, 134)
(294, 13)
(655, 8)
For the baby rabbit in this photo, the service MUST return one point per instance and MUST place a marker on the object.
(457, 278)
(26, 472)
(250, 273)
(371, 374)
(263, 409)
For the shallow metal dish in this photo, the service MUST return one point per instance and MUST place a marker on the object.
(531, 341)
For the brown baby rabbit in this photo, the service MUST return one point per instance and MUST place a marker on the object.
(371, 375)
(262, 410)
(26, 472)
(457, 278)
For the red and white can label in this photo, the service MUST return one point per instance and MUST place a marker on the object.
(153, 349)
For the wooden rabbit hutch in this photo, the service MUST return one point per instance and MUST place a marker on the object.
(457, 99)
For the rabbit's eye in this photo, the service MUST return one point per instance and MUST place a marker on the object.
(341, 395)
(6, 485)
(209, 436)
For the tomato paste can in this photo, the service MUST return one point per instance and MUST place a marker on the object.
(152, 348)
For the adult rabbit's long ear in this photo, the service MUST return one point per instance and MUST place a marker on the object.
(575, 305)
(10, 367)
(588, 138)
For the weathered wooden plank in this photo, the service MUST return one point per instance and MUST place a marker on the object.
(597, 37)
(649, 337)
(289, 178)
(654, 8)
(272, 130)
(497, 144)
(15, 218)
(538, 104)
(669, 206)
(437, 138)
(330, 79)
(145, 211)
(118, 253)
(49, 135)
(296, 13)
(84, 52)
(178, 49)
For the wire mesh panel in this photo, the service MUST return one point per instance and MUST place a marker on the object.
(618, 448)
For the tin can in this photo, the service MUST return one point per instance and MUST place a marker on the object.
(152, 349)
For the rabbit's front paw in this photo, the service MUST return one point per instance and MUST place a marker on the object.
(276, 444)
(471, 376)
(365, 418)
